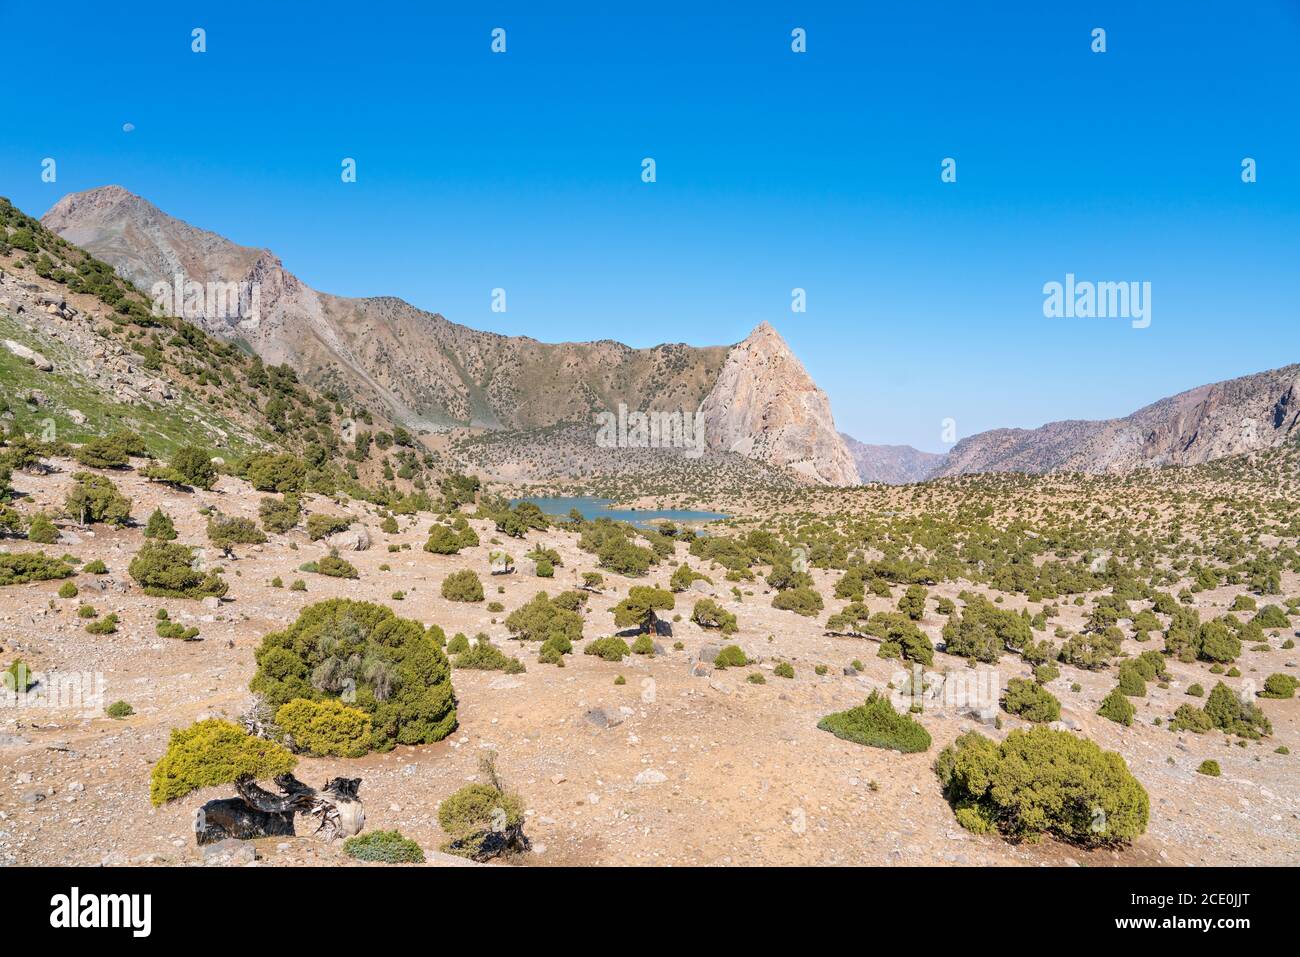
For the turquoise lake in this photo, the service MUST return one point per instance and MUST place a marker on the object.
(592, 508)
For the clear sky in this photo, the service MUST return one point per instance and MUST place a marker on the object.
(775, 170)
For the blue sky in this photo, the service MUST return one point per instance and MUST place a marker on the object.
(775, 170)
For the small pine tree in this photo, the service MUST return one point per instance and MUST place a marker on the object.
(160, 527)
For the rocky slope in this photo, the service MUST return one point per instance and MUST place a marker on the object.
(431, 372)
(1209, 422)
(891, 464)
(434, 374)
(765, 406)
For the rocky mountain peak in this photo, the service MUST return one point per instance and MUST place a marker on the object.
(764, 405)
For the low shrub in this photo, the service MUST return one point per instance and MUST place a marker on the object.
(1116, 707)
(325, 728)
(463, 585)
(485, 656)
(336, 567)
(322, 526)
(1210, 768)
(119, 710)
(612, 648)
(1039, 781)
(104, 626)
(732, 656)
(483, 820)
(709, 614)
(23, 567)
(165, 570)
(1031, 701)
(384, 847)
(1279, 686)
(876, 724)
(213, 752)
(393, 667)
(94, 498)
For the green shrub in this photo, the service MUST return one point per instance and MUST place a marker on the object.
(160, 527)
(1196, 691)
(485, 656)
(42, 530)
(912, 604)
(102, 453)
(23, 567)
(612, 648)
(175, 631)
(277, 473)
(1279, 686)
(384, 847)
(95, 567)
(17, 678)
(1230, 714)
(164, 570)
(325, 728)
(876, 724)
(732, 656)
(1271, 616)
(104, 626)
(682, 577)
(783, 669)
(554, 649)
(322, 526)
(392, 667)
(756, 678)
(119, 710)
(1190, 718)
(644, 645)
(1030, 701)
(1046, 673)
(213, 752)
(94, 498)
(225, 531)
(280, 515)
(1131, 681)
(1116, 707)
(1043, 781)
(1209, 768)
(463, 585)
(480, 821)
(336, 567)
(458, 644)
(68, 590)
(709, 614)
(540, 618)
(900, 637)
(194, 466)
(802, 601)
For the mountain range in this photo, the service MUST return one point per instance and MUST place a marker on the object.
(754, 398)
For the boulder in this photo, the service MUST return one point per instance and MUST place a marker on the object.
(29, 355)
(354, 539)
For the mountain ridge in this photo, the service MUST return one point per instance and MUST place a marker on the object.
(435, 375)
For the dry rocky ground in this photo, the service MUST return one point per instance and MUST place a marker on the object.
(671, 768)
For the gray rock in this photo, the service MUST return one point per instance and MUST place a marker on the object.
(29, 355)
(230, 852)
(602, 718)
(355, 539)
